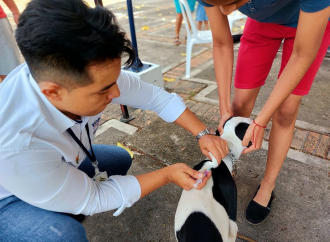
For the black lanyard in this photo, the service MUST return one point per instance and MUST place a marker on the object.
(92, 156)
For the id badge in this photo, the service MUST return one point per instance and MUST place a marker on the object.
(101, 176)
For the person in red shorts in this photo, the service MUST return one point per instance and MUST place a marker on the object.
(304, 27)
(9, 53)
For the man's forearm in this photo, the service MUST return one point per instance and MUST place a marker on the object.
(12, 6)
(180, 174)
(208, 143)
(190, 122)
(153, 180)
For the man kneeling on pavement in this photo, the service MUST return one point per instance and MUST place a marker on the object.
(50, 109)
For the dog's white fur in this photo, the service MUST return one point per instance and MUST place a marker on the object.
(234, 143)
(203, 200)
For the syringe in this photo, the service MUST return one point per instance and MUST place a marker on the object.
(214, 165)
(200, 180)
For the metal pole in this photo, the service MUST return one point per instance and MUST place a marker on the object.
(98, 2)
(126, 118)
(137, 62)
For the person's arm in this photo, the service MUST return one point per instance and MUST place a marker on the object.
(39, 176)
(179, 173)
(13, 8)
(208, 143)
(223, 56)
(170, 108)
(310, 31)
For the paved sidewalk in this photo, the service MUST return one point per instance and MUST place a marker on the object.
(302, 207)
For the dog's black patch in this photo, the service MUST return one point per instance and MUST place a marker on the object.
(200, 165)
(240, 131)
(224, 190)
(198, 228)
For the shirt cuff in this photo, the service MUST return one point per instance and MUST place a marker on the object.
(130, 190)
(173, 109)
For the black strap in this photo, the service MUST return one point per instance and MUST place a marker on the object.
(92, 156)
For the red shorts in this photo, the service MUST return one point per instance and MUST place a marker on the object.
(259, 45)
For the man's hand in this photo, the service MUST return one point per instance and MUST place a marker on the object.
(208, 143)
(214, 144)
(185, 177)
(224, 117)
(180, 174)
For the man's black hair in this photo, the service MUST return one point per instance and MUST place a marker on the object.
(60, 38)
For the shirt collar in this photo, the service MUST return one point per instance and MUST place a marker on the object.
(54, 116)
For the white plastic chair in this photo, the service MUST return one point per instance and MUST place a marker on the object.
(199, 37)
(233, 17)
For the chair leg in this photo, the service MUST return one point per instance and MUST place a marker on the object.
(188, 56)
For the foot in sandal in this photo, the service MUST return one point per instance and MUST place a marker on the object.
(176, 41)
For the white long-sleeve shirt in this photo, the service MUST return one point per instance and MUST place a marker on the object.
(39, 159)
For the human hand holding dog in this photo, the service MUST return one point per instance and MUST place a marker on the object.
(224, 117)
(214, 145)
(207, 143)
(255, 134)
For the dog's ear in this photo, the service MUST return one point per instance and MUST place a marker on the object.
(224, 190)
(240, 131)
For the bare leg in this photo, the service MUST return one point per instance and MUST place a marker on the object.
(279, 143)
(244, 100)
(199, 25)
(178, 24)
(206, 25)
(280, 139)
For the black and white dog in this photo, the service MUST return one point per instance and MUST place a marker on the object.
(209, 214)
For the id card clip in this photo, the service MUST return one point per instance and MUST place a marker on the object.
(99, 176)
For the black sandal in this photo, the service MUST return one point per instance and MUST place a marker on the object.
(176, 41)
(255, 213)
